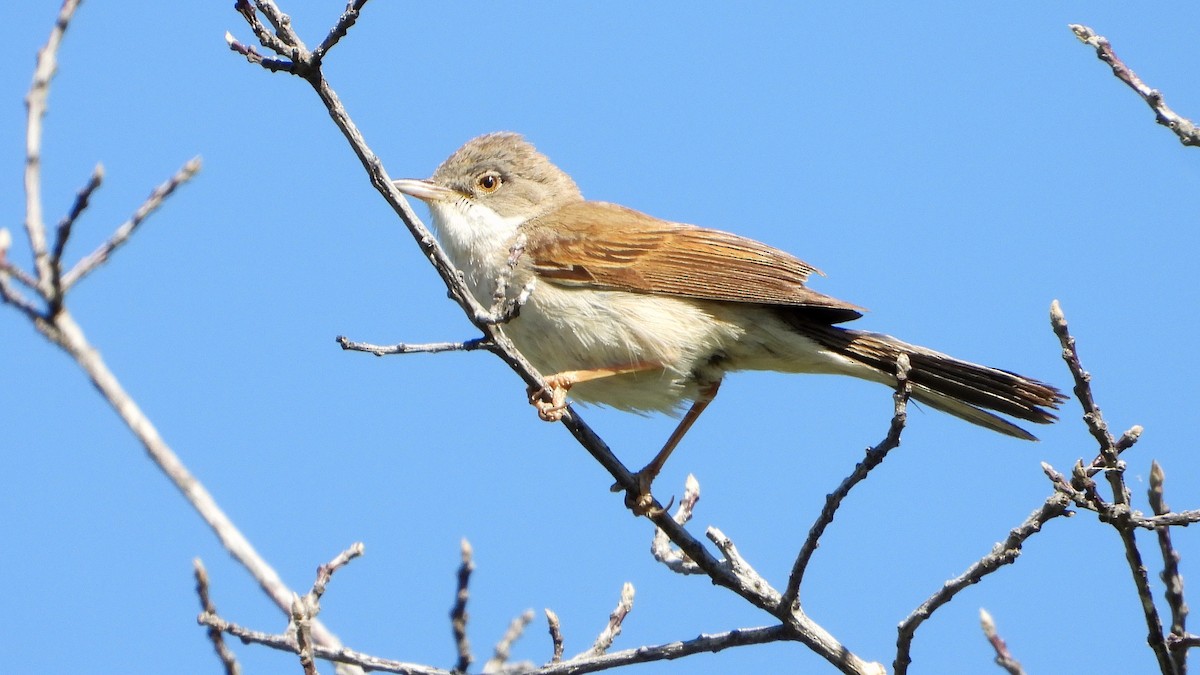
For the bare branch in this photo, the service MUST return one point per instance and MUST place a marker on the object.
(1109, 455)
(122, 233)
(224, 653)
(1003, 553)
(675, 559)
(252, 55)
(556, 638)
(1141, 581)
(282, 40)
(339, 30)
(500, 654)
(1109, 513)
(613, 628)
(428, 348)
(1186, 131)
(833, 500)
(63, 232)
(1171, 578)
(8, 269)
(748, 577)
(672, 650)
(12, 296)
(325, 572)
(1187, 641)
(458, 614)
(301, 618)
(1004, 658)
(35, 105)
(707, 643)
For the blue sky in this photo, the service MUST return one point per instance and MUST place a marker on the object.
(953, 168)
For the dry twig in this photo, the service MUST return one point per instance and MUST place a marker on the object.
(458, 613)
(1004, 658)
(224, 653)
(1186, 131)
(54, 321)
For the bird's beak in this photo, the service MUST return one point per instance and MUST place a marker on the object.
(426, 191)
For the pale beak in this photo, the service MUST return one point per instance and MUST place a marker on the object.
(426, 191)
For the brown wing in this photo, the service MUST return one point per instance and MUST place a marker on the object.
(602, 245)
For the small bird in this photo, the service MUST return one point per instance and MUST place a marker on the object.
(647, 315)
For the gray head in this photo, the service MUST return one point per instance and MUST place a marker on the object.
(509, 175)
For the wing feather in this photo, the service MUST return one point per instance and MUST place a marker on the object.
(606, 246)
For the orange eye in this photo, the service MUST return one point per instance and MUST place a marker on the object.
(488, 182)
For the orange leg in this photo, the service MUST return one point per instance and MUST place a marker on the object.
(640, 502)
(558, 384)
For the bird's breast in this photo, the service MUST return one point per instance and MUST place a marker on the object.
(563, 329)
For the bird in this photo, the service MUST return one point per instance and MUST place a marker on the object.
(641, 314)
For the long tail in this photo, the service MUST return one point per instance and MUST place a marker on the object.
(956, 387)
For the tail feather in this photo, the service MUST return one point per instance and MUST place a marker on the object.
(960, 388)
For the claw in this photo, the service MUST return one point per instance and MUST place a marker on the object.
(551, 400)
(642, 502)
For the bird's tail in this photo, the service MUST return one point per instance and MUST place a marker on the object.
(960, 388)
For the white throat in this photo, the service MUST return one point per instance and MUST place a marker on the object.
(478, 241)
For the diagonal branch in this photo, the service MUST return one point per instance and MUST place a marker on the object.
(125, 230)
(1004, 553)
(343, 25)
(62, 234)
(722, 572)
(833, 501)
(1186, 131)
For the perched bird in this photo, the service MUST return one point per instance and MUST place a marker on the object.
(644, 314)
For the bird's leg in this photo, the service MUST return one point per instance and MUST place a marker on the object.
(551, 400)
(640, 502)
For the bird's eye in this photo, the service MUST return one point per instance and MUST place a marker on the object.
(488, 182)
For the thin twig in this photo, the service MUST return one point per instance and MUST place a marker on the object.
(1003, 553)
(428, 348)
(281, 40)
(35, 105)
(613, 628)
(1171, 578)
(458, 613)
(1004, 658)
(1186, 641)
(339, 30)
(1186, 131)
(1091, 412)
(63, 231)
(325, 572)
(15, 298)
(705, 643)
(224, 653)
(747, 576)
(301, 618)
(1120, 514)
(7, 268)
(252, 55)
(126, 230)
(1141, 581)
(556, 637)
(874, 457)
(503, 648)
(675, 559)
(1109, 513)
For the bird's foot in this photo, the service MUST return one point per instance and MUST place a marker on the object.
(551, 400)
(641, 501)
